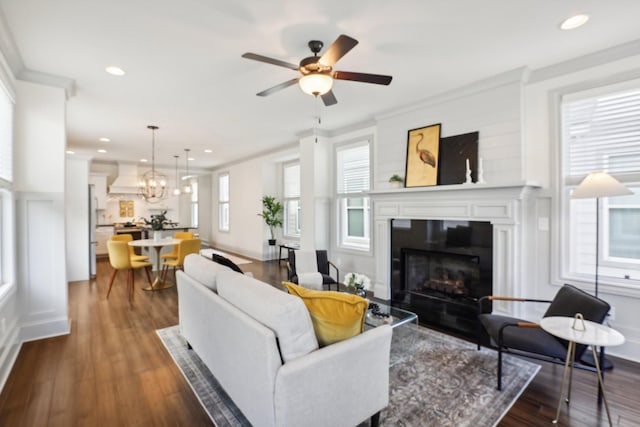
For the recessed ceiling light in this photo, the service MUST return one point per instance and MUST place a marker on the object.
(208, 150)
(104, 139)
(191, 159)
(102, 150)
(574, 22)
(143, 160)
(116, 71)
(71, 152)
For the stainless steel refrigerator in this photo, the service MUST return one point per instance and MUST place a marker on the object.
(93, 217)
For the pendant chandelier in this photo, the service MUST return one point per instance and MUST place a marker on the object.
(153, 185)
(176, 190)
(187, 177)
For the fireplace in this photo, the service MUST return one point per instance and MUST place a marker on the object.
(439, 270)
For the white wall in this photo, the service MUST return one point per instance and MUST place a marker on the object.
(246, 235)
(40, 196)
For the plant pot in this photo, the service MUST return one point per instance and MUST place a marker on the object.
(272, 242)
(395, 184)
(157, 235)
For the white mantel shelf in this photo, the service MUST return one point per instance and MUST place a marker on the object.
(455, 187)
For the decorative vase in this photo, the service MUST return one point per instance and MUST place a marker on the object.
(157, 235)
(361, 292)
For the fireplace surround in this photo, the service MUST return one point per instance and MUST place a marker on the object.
(439, 270)
(508, 210)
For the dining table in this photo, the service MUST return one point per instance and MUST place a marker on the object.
(157, 244)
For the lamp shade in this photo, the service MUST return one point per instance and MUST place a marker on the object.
(599, 184)
(316, 83)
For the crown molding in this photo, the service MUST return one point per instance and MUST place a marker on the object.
(590, 60)
(15, 64)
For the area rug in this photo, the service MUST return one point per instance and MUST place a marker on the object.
(437, 380)
(236, 259)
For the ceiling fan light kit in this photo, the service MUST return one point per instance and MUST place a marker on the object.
(316, 84)
(317, 71)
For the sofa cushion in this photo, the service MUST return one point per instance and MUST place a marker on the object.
(285, 314)
(203, 270)
(336, 316)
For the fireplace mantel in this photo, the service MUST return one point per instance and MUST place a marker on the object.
(509, 207)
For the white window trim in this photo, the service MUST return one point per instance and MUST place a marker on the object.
(560, 270)
(285, 228)
(8, 263)
(351, 244)
(224, 202)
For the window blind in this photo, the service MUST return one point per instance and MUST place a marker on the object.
(353, 169)
(6, 138)
(223, 188)
(291, 181)
(603, 134)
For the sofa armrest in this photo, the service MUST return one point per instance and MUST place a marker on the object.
(341, 384)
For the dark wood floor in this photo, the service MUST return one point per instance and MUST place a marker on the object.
(112, 370)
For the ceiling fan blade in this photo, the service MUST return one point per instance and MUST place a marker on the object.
(338, 49)
(278, 87)
(268, 60)
(378, 79)
(329, 99)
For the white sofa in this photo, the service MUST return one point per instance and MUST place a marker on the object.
(258, 342)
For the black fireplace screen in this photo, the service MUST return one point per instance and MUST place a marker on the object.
(439, 269)
(449, 274)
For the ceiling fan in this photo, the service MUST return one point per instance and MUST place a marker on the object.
(317, 71)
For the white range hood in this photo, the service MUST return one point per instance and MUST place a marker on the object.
(127, 180)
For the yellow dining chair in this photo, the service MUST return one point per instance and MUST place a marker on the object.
(126, 237)
(185, 247)
(120, 259)
(182, 235)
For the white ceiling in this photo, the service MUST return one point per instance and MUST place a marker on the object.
(185, 73)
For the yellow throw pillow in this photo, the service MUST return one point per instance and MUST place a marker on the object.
(336, 316)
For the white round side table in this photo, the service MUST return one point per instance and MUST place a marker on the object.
(579, 331)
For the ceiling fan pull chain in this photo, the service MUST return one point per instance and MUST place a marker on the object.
(317, 121)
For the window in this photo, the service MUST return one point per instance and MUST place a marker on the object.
(7, 204)
(353, 177)
(194, 203)
(223, 202)
(601, 132)
(291, 191)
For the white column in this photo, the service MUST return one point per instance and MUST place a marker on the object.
(315, 203)
(40, 139)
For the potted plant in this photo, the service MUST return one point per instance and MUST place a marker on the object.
(396, 180)
(157, 223)
(272, 214)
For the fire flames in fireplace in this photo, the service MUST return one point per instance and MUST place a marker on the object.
(445, 281)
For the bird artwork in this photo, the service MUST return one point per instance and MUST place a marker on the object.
(425, 155)
(423, 159)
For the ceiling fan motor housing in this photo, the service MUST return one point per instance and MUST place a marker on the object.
(311, 65)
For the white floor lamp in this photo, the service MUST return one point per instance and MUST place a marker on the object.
(597, 185)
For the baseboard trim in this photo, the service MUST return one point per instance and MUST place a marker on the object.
(9, 356)
(41, 330)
